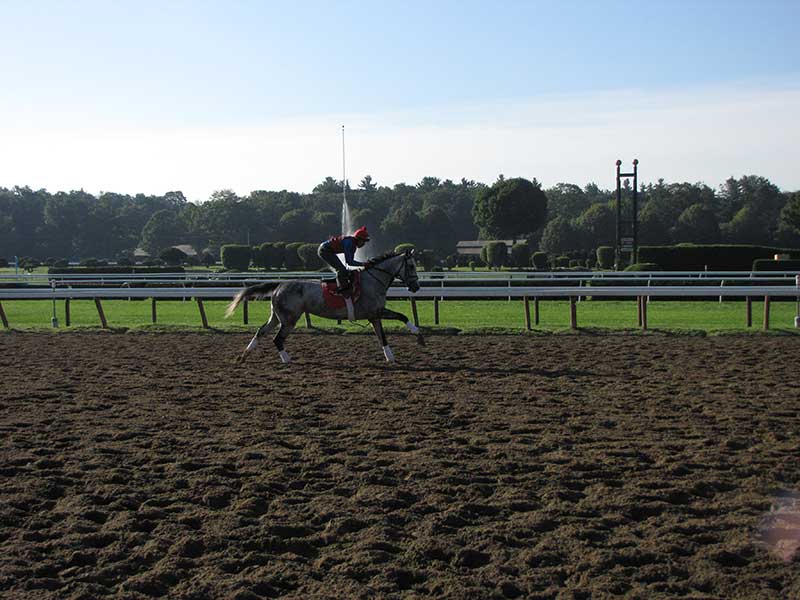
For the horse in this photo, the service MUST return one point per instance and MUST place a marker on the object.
(290, 299)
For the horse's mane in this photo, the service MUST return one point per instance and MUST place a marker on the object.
(379, 259)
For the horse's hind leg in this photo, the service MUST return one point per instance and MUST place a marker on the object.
(264, 329)
(287, 323)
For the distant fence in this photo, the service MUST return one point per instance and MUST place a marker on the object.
(529, 294)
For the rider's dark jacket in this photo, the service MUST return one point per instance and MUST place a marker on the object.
(345, 245)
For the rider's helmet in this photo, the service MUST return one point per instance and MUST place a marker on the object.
(361, 235)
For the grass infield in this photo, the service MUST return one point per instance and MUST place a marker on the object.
(454, 315)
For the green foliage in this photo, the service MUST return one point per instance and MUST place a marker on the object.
(605, 257)
(236, 257)
(270, 255)
(540, 261)
(472, 265)
(309, 257)
(173, 256)
(643, 267)
(715, 257)
(400, 248)
(776, 265)
(113, 269)
(123, 261)
(292, 259)
(520, 255)
(559, 236)
(484, 255)
(162, 230)
(208, 259)
(426, 259)
(561, 262)
(3, 263)
(89, 262)
(496, 254)
(510, 208)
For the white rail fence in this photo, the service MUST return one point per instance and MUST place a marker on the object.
(529, 294)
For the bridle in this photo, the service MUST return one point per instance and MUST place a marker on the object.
(403, 267)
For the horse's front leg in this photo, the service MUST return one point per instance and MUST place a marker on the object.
(396, 316)
(378, 327)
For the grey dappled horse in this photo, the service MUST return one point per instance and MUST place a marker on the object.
(290, 299)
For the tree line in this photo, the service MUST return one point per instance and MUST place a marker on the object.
(433, 214)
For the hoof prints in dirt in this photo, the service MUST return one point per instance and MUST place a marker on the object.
(143, 466)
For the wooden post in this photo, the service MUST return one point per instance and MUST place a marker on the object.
(573, 313)
(100, 312)
(436, 310)
(153, 314)
(527, 313)
(643, 300)
(748, 308)
(639, 311)
(245, 315)
(202, 313)
(3, 316)
(766, 313)
(67, 312)
(414, 311)
(308, 320)
(536, 311)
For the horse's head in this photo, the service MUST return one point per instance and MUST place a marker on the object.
(408, 274)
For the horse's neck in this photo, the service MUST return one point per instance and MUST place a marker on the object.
(384, 273)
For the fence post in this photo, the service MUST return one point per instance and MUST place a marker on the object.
(573, 313)
(536, 310)
(748, 309)
(644, 312)
(202, 312)
(414, 311)
(100, 312)
(153, 312)
(766, 313)
(527, 313)
(639, 311)
(67, 315)
(308, 321)
(436, 310)
(245, 315)
(3, 316)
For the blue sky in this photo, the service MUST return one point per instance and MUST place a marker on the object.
(198, 96)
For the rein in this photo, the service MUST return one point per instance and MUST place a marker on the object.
(392, 276)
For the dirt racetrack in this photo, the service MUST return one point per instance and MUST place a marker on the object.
(140, 465)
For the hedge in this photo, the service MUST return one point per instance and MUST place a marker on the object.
(236, 257)
(776, 265)
(714, 257)
(111, 269)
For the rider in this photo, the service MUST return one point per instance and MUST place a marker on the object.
(347, 245)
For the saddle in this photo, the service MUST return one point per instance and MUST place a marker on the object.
(333, 299)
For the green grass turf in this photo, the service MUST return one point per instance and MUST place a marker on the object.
(466, 316)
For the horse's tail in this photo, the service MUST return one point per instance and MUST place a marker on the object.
(259, 290)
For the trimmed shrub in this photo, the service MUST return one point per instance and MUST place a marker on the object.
(123, 261)
(561, 262)
(426, 259)
(3, 263)
(643, 267)
(496, 254)
(717, 257)
(236, 257)
(471, 265)
(574, 262)
(28, 263)
(63, 263)
(292, 259)
(776, 265)
(520, 255)
(208, 259)
(89, 262)
(308, 255)
(605, 257)
(117, 269)
(173, 256)
(539, 261)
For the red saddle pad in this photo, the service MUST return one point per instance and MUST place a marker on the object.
(334, 300)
